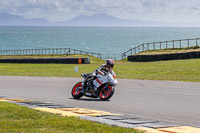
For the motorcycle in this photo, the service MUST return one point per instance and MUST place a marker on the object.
(102, 86)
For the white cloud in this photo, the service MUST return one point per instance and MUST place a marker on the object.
(56, 10)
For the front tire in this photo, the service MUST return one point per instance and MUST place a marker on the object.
(106, 93)
(76, 90)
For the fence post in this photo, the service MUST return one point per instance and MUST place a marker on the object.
(166, 45)
(188, 42)
(154, 46)
(138, 48)
(173, 43)
(160, 45)
(196, 42)
(180, 43)
(142, 47)
(147, 46)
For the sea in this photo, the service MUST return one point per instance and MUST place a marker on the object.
(103, 40)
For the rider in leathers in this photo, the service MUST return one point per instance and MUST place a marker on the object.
(107, 67)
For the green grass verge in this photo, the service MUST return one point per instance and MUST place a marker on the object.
(170, 50)
(175, 70)
(15, 119)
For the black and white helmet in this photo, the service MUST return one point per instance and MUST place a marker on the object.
(110, 63)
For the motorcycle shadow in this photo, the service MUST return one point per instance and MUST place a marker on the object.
(86, 99)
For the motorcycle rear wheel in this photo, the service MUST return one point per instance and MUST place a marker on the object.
(76, 90)
(106, 93)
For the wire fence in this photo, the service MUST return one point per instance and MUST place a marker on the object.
(48, 51)
(57, 51)
(184, 43)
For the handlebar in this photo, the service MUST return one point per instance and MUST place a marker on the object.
(105, 73)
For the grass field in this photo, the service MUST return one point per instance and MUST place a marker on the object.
(170, 50)
(176, 70)
(15, 119)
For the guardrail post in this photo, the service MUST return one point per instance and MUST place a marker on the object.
(142, 47)
(160, 45)
(138, 48)
(147, 46)
(196, 42)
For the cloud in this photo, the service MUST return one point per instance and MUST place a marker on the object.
(56, 10)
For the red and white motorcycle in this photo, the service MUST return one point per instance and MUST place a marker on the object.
(103, 86)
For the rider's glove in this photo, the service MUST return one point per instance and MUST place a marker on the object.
(100, 72)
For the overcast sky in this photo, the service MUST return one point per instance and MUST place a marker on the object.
(57, 10)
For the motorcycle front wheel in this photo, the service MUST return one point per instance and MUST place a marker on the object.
(76, 90)
(106, 93)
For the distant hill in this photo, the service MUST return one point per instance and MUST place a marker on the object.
(103, 19)
(15, 20)
(100, 19)
(95, 20)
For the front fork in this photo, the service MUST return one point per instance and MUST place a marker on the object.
(83, 87)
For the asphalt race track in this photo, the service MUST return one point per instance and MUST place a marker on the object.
(167, 101)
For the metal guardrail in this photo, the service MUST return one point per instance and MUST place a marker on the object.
(57, 51)
(184, 43)
(48, 51)
(140, 48)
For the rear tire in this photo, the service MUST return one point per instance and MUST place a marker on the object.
(106, 93)
(76, 90)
